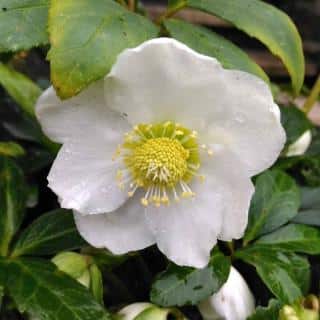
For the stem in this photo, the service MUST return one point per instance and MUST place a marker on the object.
(315, 91)
(231, 247)
(170, 12)
(131, 5)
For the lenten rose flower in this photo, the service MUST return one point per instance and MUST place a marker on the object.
(162, 151)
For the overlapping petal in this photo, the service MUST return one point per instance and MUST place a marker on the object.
(81, 118)
(187, 231)
(84, 178)
(164, 80)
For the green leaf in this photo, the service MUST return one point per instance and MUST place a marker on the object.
(23, 90)
(271, 312)
(294, 237)
(287, 275)
(37, 287)
(101, 27)
(179, 286)
(294, 122)
(264, 22)
(211, 44)
(276, 200)
(310, 207)
(51, 233)
(12, 201)
(11, 149)
(23, 24)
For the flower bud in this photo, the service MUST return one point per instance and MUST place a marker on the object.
(300, 146)
(75, 265)
(148, 311)
(81, 268)
(234, 301)
(305, 309)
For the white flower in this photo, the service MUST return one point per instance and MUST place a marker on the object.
(162, 151)
(234, 301)
(300, 146)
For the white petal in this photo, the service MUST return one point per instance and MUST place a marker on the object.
(120, 231)
(301, 145)
(234, 301)
(164, 80)
(247, 121)
(84, 177)
(187, 231)
(232, 182)
(151, 83)
(78, 118)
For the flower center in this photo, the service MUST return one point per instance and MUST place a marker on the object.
(159, 161)
(162, 159)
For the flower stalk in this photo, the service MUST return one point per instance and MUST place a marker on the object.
(171, 11)
(311, 100)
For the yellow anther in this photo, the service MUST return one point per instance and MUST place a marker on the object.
(210, 152)
(130, 194)
(144, 202)
(194, 134)
(179, 133)
(202, 178)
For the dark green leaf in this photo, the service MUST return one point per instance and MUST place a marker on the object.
(12, 201)
(294, 122)
(37, 287)
(310, 207)
(293, 237)
(101, 27)
(178, 286)
(271, 312)
(211, 44)
(287, 275)
(308, 217)
(266, 23)
(11, 149)
(53, 232)
(24, 91)
(276, 200)
(23, 24)
(310, 198)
